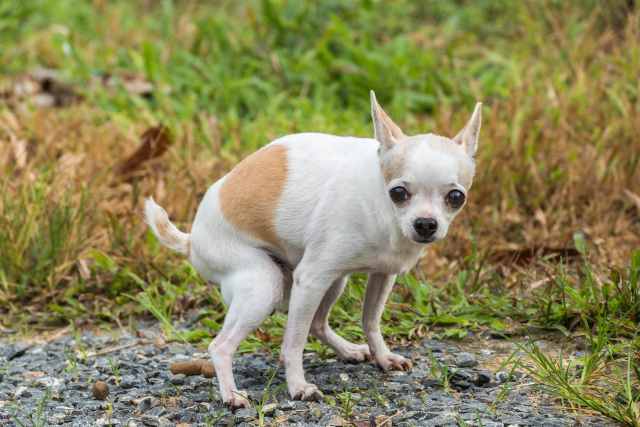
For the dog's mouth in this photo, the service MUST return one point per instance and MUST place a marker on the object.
(425, 240)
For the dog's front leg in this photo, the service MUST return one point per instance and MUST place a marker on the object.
(378, 289)
(309, 287)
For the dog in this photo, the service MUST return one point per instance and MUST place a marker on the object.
(288, 225)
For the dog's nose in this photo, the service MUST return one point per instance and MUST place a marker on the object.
(425, 227)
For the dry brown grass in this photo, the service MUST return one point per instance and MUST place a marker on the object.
(559, 154)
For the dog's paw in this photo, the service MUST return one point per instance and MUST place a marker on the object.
(354, 353)
(306, 391)
(238, 400)
(393, 362)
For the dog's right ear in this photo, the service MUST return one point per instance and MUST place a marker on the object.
(386, 131)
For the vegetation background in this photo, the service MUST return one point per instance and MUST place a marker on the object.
(105, 102)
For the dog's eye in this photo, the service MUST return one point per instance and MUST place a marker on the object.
(455, 198)
(399, 194)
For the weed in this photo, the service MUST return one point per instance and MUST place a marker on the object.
(37, 418)
(115, 369)
(346, 402)
(440, 372)
(266, 396)
(616, 396)
(71, 361)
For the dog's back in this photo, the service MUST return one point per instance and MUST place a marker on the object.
(282, 194)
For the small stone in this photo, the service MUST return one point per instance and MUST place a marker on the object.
(57, 419)
(344, 377)
(269, 408)
(100, 390)
(157, 411)
(482, 378)
(444, 419)
(430, 382)
(246, 414)
(462, 385)
(128, 381)
(15, 352)
(178, 379)
(147, 403)
(465, 360)
(513, 420)
(56, 384)
(68, 410)
(151, 420)
(107, 421)
(287, 405)
(433, 345)
(462, 375)
(22, 391)
(502, 377)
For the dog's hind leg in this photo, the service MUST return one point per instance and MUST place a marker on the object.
(252, 295)
(320, 328)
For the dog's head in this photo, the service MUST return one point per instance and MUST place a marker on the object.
(427, 177)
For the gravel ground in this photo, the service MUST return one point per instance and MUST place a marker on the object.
(51, 384)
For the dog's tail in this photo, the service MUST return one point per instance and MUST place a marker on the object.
(165, 231)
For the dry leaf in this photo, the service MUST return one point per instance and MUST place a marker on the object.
(83, 269)
(262, 335)
(634, 198)
(132, 83)
(19, 147)
(529, 254)
(155, 142)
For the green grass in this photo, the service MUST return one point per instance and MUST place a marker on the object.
(549, 241)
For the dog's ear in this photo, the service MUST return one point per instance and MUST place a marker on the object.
(468, 136)
(386, 131)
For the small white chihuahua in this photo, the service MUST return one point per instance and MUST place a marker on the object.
(286, 227)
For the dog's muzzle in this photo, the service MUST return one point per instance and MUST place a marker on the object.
(425, 229)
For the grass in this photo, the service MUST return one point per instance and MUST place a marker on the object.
(549, 240)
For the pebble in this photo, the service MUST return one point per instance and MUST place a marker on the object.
(178, 379)
(22, 392)
(482, 378)
(502, 377)
(246, 414)
(147, 403)
(465, 360)
(269, 408)
(128, 381)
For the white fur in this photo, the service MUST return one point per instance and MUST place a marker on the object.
(335, 217)
(155, 217)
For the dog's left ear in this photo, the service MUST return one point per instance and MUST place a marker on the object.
(386, 131)
(468, 136)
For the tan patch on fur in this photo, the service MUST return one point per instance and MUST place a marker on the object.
(251, 192)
